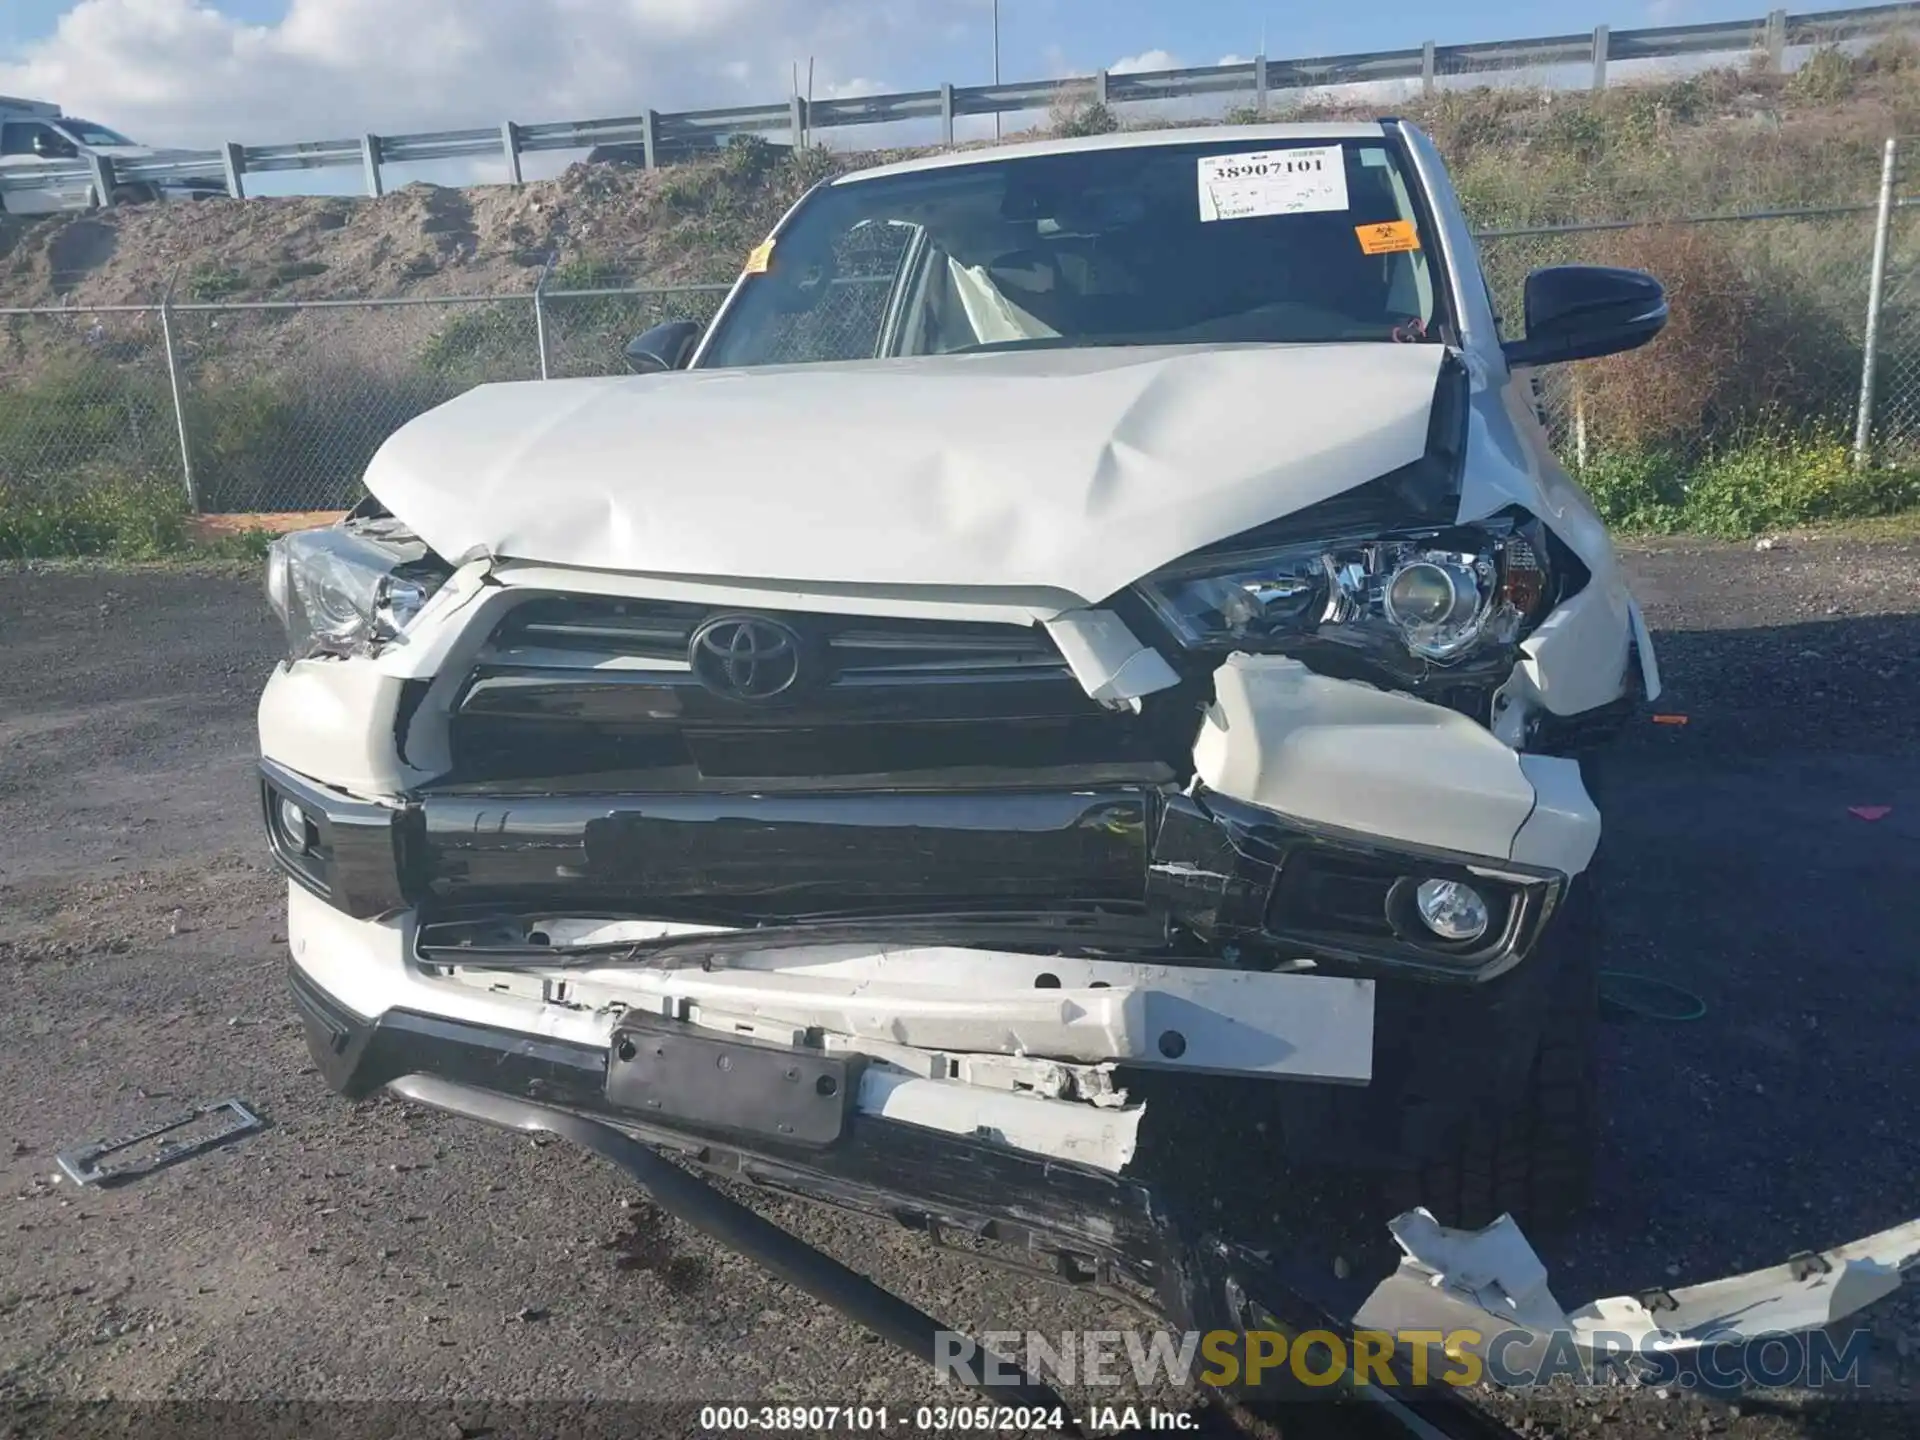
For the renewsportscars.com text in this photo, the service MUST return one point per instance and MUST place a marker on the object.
(1510, 1359)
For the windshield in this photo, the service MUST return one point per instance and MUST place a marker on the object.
(1204, 243)
(85, 132)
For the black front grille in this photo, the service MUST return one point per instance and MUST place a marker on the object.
(579, 687)
(855, 649)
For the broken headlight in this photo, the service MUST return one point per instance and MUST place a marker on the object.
(1442, 595)
(348, 589)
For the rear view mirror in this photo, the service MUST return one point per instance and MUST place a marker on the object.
(664, 347)
(1577, 312)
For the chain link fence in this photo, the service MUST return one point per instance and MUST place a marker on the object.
(1768, 326)
(84, 398)
(280, 405)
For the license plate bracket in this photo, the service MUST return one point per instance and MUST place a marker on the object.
(674, 1072)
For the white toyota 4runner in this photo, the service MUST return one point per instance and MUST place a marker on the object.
(1086, 620)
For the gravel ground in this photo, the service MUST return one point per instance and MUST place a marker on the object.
(380, 1253)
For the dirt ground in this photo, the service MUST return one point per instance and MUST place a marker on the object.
(445, 1273)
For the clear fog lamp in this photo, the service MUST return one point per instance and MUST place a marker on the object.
(1451, 910)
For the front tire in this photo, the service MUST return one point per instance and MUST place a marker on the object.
(1534, 1158)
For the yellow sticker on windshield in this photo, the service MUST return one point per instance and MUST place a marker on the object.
(759, 258)
(1389, 237)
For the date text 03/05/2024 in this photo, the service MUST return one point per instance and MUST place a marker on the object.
(938, 1419)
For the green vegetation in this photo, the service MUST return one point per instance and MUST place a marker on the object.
(287, 271)
(216, 282)
(494, 341)
(127, 518)
(1768, 481)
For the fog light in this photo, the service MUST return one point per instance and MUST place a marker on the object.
(293, 823)
(1451, 910)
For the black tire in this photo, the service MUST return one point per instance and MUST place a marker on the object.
(1535, 1158)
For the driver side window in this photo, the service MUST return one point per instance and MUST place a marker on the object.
(840, 314)
(17, 136)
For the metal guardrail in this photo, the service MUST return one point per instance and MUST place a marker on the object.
(658, 134)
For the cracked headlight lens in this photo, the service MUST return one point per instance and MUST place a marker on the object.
(1443, 595)
(348, 589)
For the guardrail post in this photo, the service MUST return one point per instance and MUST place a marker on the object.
(235, 156)
(179, 409)
(1260, 82)
(797, 119)
(370, 159)
(540, 310)
(946, 113)
(1100, 88)
(510, 148)
(1876, 290)
(102, 166)
(650, 139)
(1777, 40)
(1602, 42)
(1426, 69)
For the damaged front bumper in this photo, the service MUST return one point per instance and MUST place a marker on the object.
(988, 955)
(1455, 1293)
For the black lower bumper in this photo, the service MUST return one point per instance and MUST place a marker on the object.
(1225, 873)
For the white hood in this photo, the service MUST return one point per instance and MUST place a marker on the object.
(1079, 470)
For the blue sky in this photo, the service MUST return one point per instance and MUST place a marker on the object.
(1038, 34)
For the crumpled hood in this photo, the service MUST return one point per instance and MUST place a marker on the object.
(1079, 470)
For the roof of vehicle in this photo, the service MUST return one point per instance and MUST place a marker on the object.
(1127, 140)
(39, 109)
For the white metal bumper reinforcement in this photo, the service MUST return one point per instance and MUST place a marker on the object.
(964, 1040)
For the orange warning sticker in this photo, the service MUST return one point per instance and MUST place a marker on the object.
(760, 258)
(1389, 237)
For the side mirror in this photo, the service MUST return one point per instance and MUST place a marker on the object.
(49, 146)
(1576, 312)
(664, 347)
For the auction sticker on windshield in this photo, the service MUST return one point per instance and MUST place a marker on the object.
(1272, 182)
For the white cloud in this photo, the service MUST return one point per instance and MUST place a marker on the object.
(848, 89)
(1146, 60)
(1234, 60)
(180, 72)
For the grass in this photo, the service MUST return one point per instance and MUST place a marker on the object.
(124, 518)
(130, 518)
(1767, 481)
(210, 283)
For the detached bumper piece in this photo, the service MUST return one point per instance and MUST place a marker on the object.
(1067, 1222)
(1208, 1285)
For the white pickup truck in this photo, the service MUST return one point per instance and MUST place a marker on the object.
(49, 150)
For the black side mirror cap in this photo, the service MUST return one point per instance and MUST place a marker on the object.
(664, 347)
(1578, 312)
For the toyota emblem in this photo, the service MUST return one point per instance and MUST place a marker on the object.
(745, 657)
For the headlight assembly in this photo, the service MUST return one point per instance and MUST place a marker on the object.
(1439, 596)
(348, 589)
